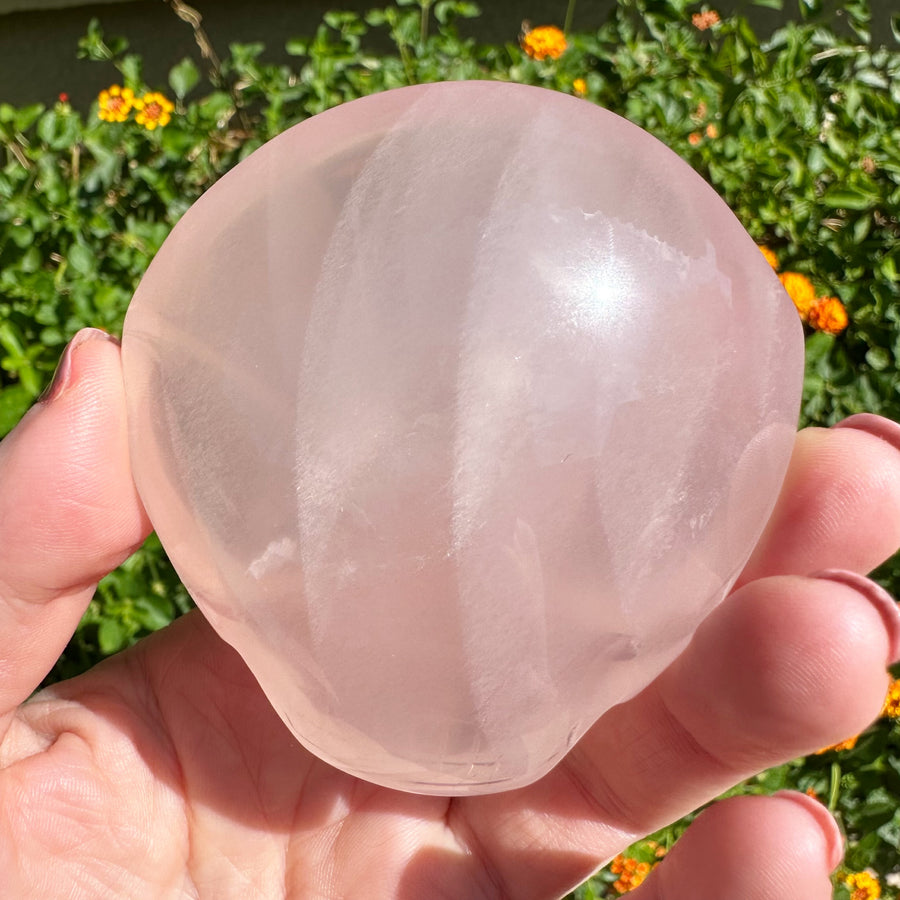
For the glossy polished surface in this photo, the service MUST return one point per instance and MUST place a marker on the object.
(457, 408)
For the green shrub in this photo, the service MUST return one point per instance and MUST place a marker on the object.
(800, 133)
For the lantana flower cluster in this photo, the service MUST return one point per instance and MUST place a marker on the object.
(152, 110)
(891, 707)
(632, 871)
(705, 20)
(544, 42)
(826, 314)
(862, 885)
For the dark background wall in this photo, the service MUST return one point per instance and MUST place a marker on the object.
(38, 46)
(38, 49)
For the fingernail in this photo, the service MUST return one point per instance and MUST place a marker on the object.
(878, 597)
(62, 377)
(834, 840)
(875, 425)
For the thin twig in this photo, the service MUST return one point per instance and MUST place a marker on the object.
(423, 21)
(207, 51)
(16, 151)
(570, 14)
(195, 20)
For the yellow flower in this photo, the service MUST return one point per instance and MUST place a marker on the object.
(579, 86)
(849, 744)
(828, 314)
(153, 110)
(704, 20)
(891, 708)
(771, 258)
(115, 103)
(712, 130)
(801, 291)
(863, 885)
(544, 41)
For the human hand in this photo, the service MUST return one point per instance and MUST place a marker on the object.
(164, 772)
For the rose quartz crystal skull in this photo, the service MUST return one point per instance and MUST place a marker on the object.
(457, 408)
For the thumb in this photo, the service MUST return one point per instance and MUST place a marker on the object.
(69, 511)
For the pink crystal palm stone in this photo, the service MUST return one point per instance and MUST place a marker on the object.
(457, 408)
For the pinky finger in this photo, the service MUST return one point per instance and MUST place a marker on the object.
(751, 848)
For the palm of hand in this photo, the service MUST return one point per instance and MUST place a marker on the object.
(165, 773)
(166, 767)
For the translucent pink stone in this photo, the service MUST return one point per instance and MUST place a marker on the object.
(457, 408)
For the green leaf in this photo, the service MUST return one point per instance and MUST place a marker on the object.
(95, 46)
(771, 4)
(130, 67)
(27, 116)
(888, 268)
(81, 259)
(14, 403)
(183, 77)
(111, 636)
(154, 612)
(848, 198)
(20, 235)
(878, 358)
(31, 260)
(46, 129)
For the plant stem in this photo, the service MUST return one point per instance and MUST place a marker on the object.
(423, 26)
(835, 790)
(570, 14)
(13, 147)
(207, 51)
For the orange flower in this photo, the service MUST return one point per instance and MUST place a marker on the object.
(631, 873)
(712, 130)
(579, 86)
(849, 744)
(828, 314)
(891, 708)
(801, 291)
(771, 258)
(863, 885)
(706, 19)
(694, 138)
(154, 110)
(115, 103)
(543, 42)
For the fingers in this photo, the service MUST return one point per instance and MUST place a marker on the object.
(840, 504)
(751, 848)
(785, 666)
(69, 512)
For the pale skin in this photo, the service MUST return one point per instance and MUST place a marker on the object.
(164, 773)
